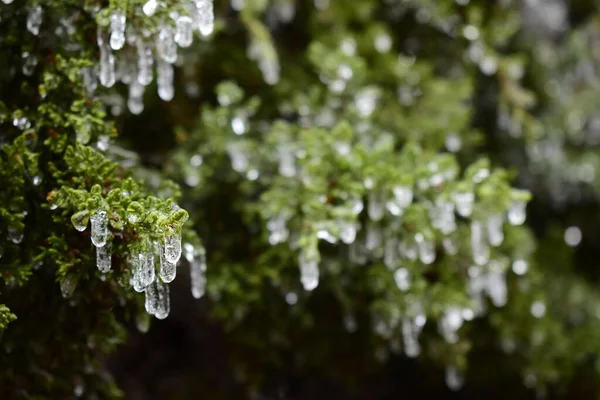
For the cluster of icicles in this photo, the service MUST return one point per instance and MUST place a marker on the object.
(137, 70)
(144, 277)
(484, 234)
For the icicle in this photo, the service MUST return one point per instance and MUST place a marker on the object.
(107, 62)
(464, 203)
(126, 72)
(393, 207)
(374, 237)
(402, 279)
(142, 322)
(99, 228)
(165, 44)
(403, 195)
(347, 231)
(494, 229)
(410, 338)
(517, 212)
(239, 158)
(15, 235)
(287, 166)
(496, 286)
(476, 286)
(150, 7)
(103, 257)
(479, 246)
(450, 323)
(357, 253)
(538, 309)
(205, 16)
(164, 302)
(172, 246)
(117, 27)
(168, 270)
(426, 249)
(376, 206)
(279, 232)
(309, 271)
(34, 20)
(145, 63)
(67, 286)
(29, 63)
(183, 31)
(152, 301)
(450, 246)
(165, 74)
(442, 217)
(390, 253)
(135, 102)
(408, 250)
(454, 379)
(198, 274)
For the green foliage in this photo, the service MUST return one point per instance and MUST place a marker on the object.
(386, 145)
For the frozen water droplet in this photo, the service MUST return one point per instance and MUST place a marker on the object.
(172, 248)
(238, 125)
(287, 166)
(135, 101)
(168, 270)
(517, 212)
(67, 286)
(494, 229)
(142, 322)
(479, 246)
(165, 76)
(291, 298)
(198, 274)
(99, 228)
(464, 203)
(103, 257)
(375, 208)
(520, 267)
(15, 235)
(117, 27)
(390, 253)
(374, 237)
(150, 7)
(347, 232)
(309, 271)
(454, 379)
(205, 16)
(34, 20)
(145, 63)
(450, 323)
(426, 249)
(165, 44)
(357, 206)
(183, 32)
(573, 236)
(152, 300)
(164, 302)
(403, 195)
(410, 338)
(402, 279)
(146, 273)
(80, 220)
(538, 309)
(29, 63)
(107, 67)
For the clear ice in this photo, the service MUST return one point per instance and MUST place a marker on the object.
(99, 228)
